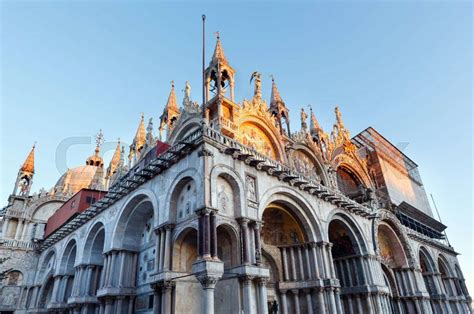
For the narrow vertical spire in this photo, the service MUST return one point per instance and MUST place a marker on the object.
(29, 164)
(172, 103)
(115, 160)
(219, 56)
(275, 96)
(140, 136)
(314, 124)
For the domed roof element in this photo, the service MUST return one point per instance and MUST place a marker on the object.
(79, 178)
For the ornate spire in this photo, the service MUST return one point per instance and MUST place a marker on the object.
(278, 108)
(29, 164)
(314, 124)
(170, 113)
(172, 103)
(140, 136)
(218, 56)
(115, 160)
(96, 160)
(275, 97)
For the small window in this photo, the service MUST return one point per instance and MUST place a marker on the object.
(150, 301)
(90, 200)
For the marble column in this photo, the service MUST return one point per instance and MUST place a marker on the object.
(245, 240)
(208, 284)
(166, 289)
(258, 243)
(19, 228)
(284, 260)
(247, 294)
(296, 301)
(167, 254)
(213, 235)
(284, 303)
(262, 295)
(309, 301)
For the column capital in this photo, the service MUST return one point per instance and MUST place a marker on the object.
(167, 285)
(206, 210)
(246, 279)
(164, 226)
(243, 221)
(262, 280)
(208, 282)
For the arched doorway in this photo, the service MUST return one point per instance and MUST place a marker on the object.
(132, 259)
(393, 256)
(428, 273)
(93, 258)
(290, 257)
(350, 264)
(68, 271)
(447, 284)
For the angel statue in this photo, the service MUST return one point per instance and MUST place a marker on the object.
(257, 94)
(304, 117)
(187, 91)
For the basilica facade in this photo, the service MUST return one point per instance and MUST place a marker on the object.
(226, 210)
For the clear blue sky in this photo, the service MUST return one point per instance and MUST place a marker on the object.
(405, 68)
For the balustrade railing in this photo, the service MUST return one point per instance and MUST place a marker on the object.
(12, 243)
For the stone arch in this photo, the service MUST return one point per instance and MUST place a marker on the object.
(390, 248)
(354, 231)
(425, 257)
(68, 259)
(349, 258)
(428, 270)
(228, 247)
(44, 200)
(446, 275)
(185, 250)
(297, 204)
(180, 181)
(184, 128)
(14, 277)
(460, 281)
(141, 194)
(46, 265)
(94, 245)
(236, 183)
(268, 129)
(137, 214)
(391, 220)
(315, 160)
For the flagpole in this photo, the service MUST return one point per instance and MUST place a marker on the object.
(203, 63)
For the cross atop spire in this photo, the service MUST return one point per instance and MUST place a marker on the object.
(29, 164)
(96, 160)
